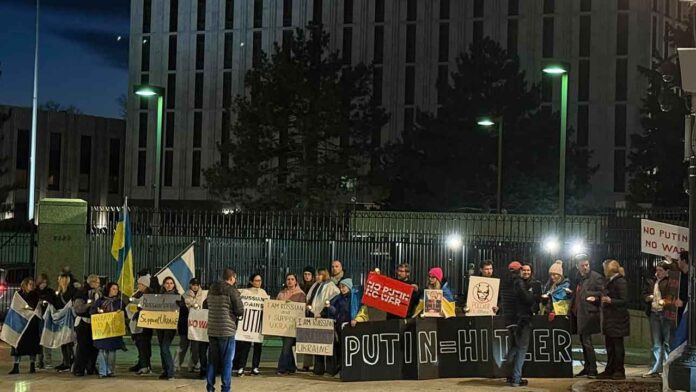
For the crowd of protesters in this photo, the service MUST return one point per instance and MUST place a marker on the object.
(596, 303)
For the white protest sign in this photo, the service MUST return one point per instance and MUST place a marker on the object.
(249, 327)
(482, 296)
(198, 325)
(280, 317)
(315, 336)
(662, 239)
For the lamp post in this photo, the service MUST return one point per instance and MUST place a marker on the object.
(31, 203)
(489, 122)
(561, 69)
(147, 91)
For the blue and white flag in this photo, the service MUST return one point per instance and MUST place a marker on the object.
(17, 320)
(58, 326)
(182, 269)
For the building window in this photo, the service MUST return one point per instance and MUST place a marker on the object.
(257, 50)
(200, 16)
(197, 129)
(585, 5)
(317, 11)
(173, 15)
(147, 15)
(585, 35)
(168, 167)
(513, 7)
(377, 84)
(54, 153)
(258, 14)
(621, 79)
(145, 55)
(411, 43)
(200, 51)
(229, 14)
(478, 8)
(172, 53)
(22, 162)
(227, 90)
(379, 11)
(142, 167)
(620, 171)
(169, 130)
(620, 125)
(114, 185)
(623, 5)
(347, 45)
(410, 85)
(512, 33)
(549, 6)
(547, 48)
(171, 91)
(229, 47)
(142, 130)
(379, 45)
(584, 80)
(411, 10)
(443, 43)
(198, 94)
(347, 11)
(583, 125)
(444, 9)
(622, 34)
(287, 13)
(196, 168)
(478, 31)
(85, 163)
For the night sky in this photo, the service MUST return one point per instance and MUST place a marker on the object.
(81, 60)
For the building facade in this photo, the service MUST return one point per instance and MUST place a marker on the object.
(199, 50)
(78, 156)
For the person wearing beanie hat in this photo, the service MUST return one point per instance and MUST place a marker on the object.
(307, 278)
(436, 281)
(556, 297)
(144, 280)
(339, 310)
(142, 337)
(514, 266)
(193, 299)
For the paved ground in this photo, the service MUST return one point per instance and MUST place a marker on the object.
(49, 380)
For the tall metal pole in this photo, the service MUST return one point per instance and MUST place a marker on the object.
(562, 168)
(499, 204)
(34, 124)
(158, 153)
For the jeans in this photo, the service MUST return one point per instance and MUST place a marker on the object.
(615, 355)
(520, 336)
(660, 328)
(242, 355)
(588, 353)
(286, 362)
(220, 356)
(107, 362)
(165, 337)
(143, 342)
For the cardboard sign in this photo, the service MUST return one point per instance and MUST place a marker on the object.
(432, 300)
(160, 302)
(387, 294)
(315, 336)
(108, 325)
(280, 317)
(669, 308)
(155, 319)
(198, 325)
(249, 327)
(482, 296)
(661, 239)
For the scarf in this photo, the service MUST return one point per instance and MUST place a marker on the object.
(287, 293)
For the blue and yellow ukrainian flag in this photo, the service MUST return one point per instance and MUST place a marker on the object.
(122, 253)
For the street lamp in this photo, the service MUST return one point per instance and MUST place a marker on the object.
(562, 69)
(147, 91)
(489, 122)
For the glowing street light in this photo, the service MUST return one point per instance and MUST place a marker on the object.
(147, 91)
(552, 245)
(454, 241)
(489, 122)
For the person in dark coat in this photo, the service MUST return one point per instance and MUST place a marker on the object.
(307, 279)
(165, 336)
(142, 337)
(110, 302)
(585, 316)
(46, 296)
(519, 321)
(403, 274)
(683, 265)
(339, 310)
(616, 323)
(66, 292)
(29, 342)
(85, 354)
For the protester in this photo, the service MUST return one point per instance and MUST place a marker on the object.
(203, 351)
(193, 299)
(585, 316)
(142, 337)
(485, 271)
(683, 265)
(165, 336)
(243, 348)
(110, 302)
(28, 344)
(291, 293)
(337, 273)
(616, 322)
(46, 296)
(556, 297)
(339, 310)
(436, 281)
(403, 274)
(66, 292)
(323, 290)
(660, 325)
(182, 328)
(224, 309)
(85, 353)
(307, 278)
(518, 313)
(154, 282)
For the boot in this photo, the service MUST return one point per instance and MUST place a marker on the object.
(15, 369)
(32, 367)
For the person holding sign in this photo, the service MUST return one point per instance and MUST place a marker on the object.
(193, 299)
(141, 336)
(253, 290)
(660, 325)
(291, 293)
(107, 347)
(165, 336)
(339, 310)
(85, 354)
(28, 342)
(556, 297)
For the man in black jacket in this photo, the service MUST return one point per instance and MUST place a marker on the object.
(585, 320)
(683, 265)
(518, 304)
(403, 274)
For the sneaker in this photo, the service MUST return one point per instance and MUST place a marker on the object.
(134, 368)
(240, 372)
(144, 371)
(255, 372)
(650, 374)
(196, 369)
(521, 383)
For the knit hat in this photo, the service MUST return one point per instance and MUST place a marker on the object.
(514, 266)
(309, 268)
(436, 272)
(348, 282)
(556, 268)
(194, 281)
(144, 280)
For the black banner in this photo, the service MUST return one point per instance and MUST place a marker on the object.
(451, 348)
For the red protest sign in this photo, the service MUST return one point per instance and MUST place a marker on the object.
(387, 294)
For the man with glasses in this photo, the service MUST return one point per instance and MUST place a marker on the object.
(403, 274)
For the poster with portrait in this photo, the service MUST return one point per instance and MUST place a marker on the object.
(432, 303)
(482, 296)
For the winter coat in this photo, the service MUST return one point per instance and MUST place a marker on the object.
(225, 307)
(616, 321)
(305, 286)
(62, 299)
(192, 299)
(108, 305)
(29, 343)
(336, 279)
(559, 300)
(319, 294)
(182, 322)
(339, 310)
(48, 295)
(144, 332)
(293, 295)
(649, 289)
(585, 315)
